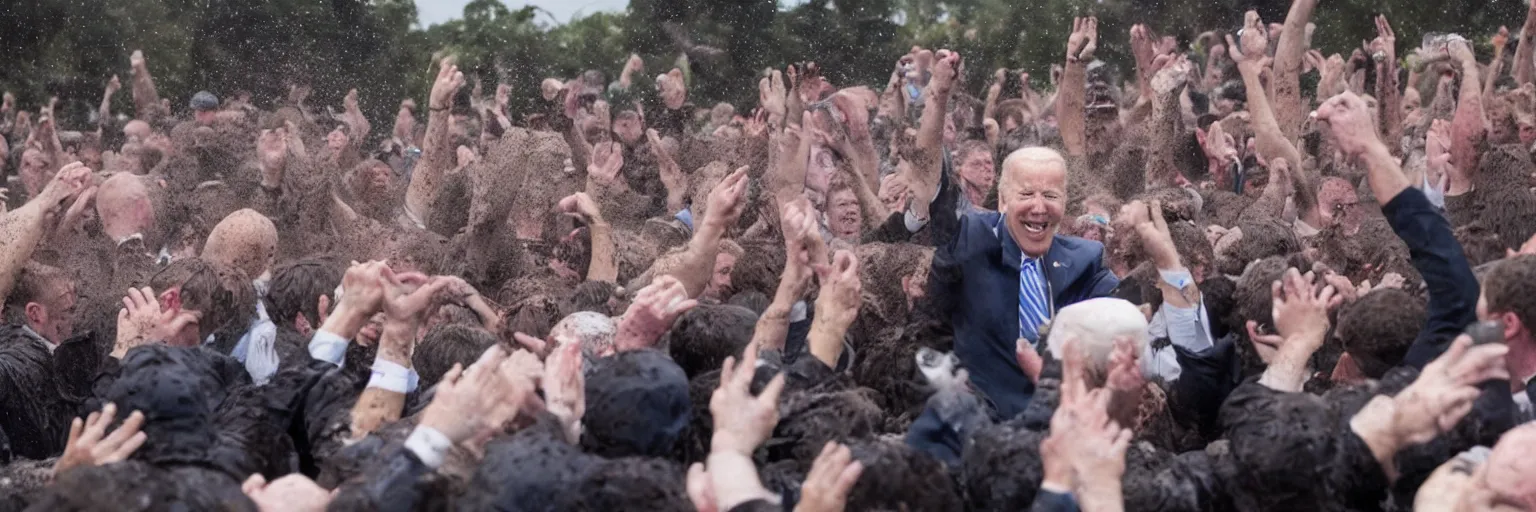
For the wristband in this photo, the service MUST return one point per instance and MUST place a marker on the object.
(1178, 279)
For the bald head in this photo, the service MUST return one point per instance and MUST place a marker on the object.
(1510, 464)
(245, 240)
(137, 129)
(122, 204)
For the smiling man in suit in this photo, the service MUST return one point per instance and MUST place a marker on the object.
(1003, 275)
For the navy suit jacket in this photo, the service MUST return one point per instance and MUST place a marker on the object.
(975, 284)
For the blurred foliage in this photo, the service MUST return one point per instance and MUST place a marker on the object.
(70, 48)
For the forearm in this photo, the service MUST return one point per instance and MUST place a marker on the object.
(1070, 102)
(1100, 496)
(773, 326)
(1289, 110)
(384, 400)
(146, 101)
(698, 263)
(826, 339)
(873, 210)
(1271, 204)
(602, 267)
(1391, 99)
(22, 229)
(436, 159)
(581, 151)
(1523, 53)
(1377, 432)
(1467, 130)
(735, 481)
(1272, 143)
(1162, 168)
(104, 113)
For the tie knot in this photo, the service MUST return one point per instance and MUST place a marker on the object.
(1028, 263)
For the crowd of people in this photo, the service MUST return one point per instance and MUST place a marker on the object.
(1194, 288)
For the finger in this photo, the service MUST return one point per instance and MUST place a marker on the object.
(255, 483)
(75, 427)
(728, 371)
(771, 392)
(848, 478)
(536, 345)
(452, 377)
(130, 426)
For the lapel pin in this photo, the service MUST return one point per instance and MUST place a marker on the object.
(1056, 264)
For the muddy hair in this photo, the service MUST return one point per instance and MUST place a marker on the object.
(1252, 300)
(1510, 287)
(1377, 329)
(211, 288)
(1261, 239)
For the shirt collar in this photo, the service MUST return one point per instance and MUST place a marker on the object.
(27, 329)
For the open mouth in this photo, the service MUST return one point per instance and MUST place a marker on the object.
(1035, 227)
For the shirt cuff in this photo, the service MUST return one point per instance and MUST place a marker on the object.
(429, 445)
(329, 347)
(391, 376)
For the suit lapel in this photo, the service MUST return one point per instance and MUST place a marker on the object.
(1059, 267)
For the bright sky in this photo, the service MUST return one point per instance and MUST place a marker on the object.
(438, 11)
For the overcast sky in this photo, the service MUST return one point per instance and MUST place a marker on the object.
(438, 11)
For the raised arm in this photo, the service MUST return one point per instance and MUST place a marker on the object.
(1496, 66)
(1071, 96)
(725, 205)
(1290, 112)
(437, 155)
(804, 250)
(1470, 125)
(21, 229)
(836, 307)
(105, 111)
(1387, 93)
(602, 266)
(1527, 49)
(146, 101)
(1165, 124)
(1272, 142)
(928, 163)
(356, 121)
(407, 300)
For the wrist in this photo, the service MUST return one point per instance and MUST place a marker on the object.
(346, 321)
(396, 342)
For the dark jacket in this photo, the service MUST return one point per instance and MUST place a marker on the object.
(1438, 257)
(975, 284)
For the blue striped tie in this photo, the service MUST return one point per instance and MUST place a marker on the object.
(1033, 306)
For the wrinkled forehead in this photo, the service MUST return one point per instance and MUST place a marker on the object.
(1035, 173)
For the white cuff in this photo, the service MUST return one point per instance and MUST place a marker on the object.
(329, 347)
(798, 311)
(913, 223)
(429, 445)
(391, 376)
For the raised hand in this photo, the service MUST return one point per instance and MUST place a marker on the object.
(583, 207)
(743, 421)
(137, 60)
(1084, 39)
(831, 478)
(1386, 40)
(1219, 146)
(1460, 51)
(114, 85)
(1350, 121)
(945, 72)
(90, 444)
(607, 160)
(448, 82)
(1445, 390)
(464, 398)
(142, 321)
(653, 311)
(1171, 78)
(1156, 238)
(69, 182)
(771, 93)
(670, 173)
(272, 155)
(1253, 48)
(727, 200)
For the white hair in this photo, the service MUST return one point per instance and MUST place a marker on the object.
(1095, 324)
(594, 331)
